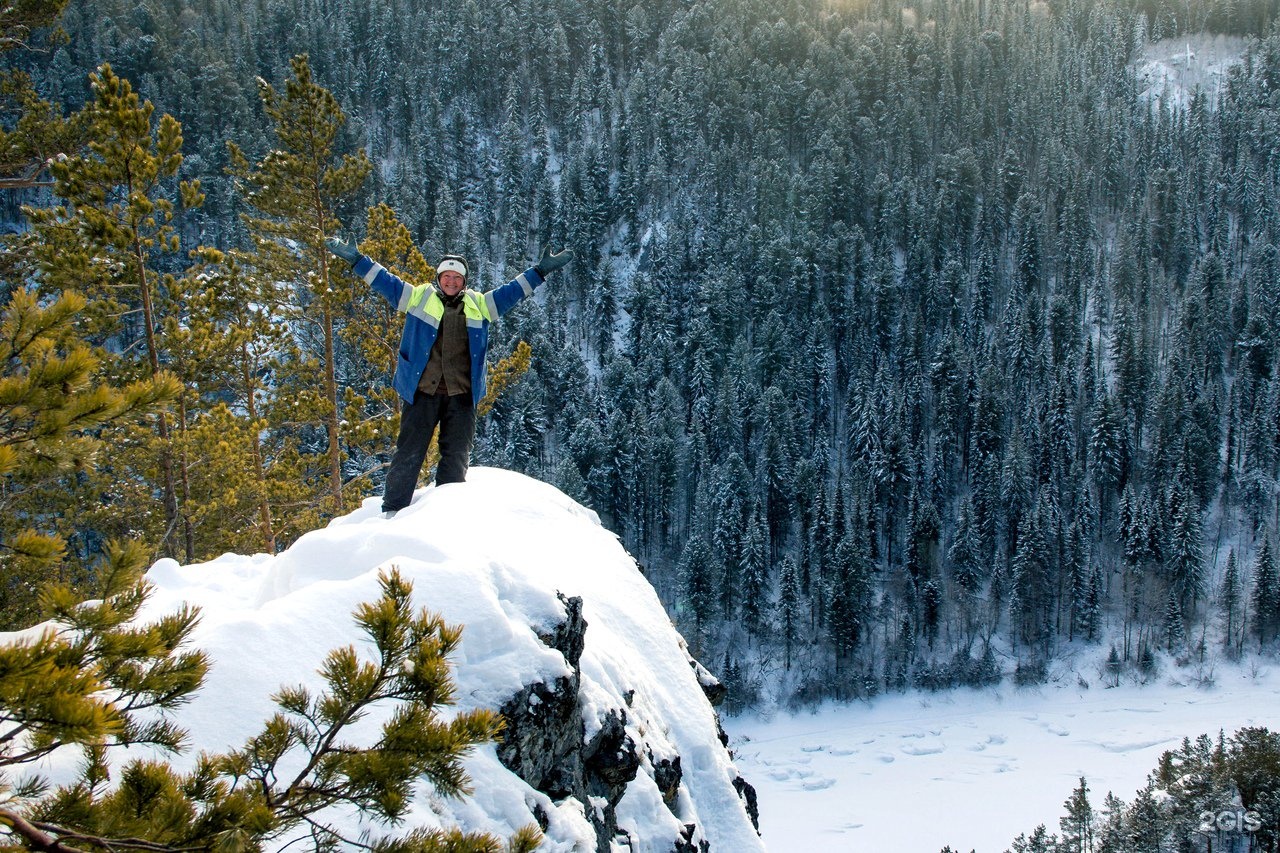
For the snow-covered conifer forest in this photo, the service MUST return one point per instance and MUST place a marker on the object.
(905, 345)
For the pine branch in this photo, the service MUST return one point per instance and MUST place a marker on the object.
(37, 838)
(29, 180)
(53, 838)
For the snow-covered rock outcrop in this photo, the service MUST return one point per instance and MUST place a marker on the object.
(612, 741)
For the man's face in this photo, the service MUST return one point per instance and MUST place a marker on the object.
(451, 283)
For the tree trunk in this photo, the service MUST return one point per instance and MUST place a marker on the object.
(331, 398)
(184, 467)
(167, 546)
(264, 506)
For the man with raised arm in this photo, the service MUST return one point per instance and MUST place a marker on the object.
(441, 372)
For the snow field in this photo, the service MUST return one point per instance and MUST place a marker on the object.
(973, 769)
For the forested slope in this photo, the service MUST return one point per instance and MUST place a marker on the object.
(904, 344)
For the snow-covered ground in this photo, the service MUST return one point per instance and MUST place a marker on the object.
(490, 554)
(974, 768)
(1171, 70)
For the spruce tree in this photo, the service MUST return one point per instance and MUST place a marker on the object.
(965, 559)
(1185, 563)
(1032, 601)
(849, 601)
(1107, 452)
(1111, 826)
(1078, 823)
(1264, 601)
(698, 589)
(1144, 825)
(789, 603)
(930, 610)
(1229, 599)
(1114, 667)
(1091, 614)
(755, 576)
(1174, 628)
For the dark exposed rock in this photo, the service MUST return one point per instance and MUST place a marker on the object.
(711, 686)
(545, 743)
(685, 843)
(667, 774)
(611, 756)
(748, 794)
(570, 636)
(542, 741)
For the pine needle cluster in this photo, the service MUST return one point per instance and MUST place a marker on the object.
(52, 403)
(95, 679)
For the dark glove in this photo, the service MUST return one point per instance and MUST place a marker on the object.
(347, 251)
(549, 262)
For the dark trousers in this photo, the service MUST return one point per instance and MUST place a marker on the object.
(456, 416)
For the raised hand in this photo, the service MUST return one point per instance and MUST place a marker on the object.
(552, 261)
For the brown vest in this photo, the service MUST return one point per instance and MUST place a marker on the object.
(449, 365)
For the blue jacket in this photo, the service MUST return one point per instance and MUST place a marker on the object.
(422, 306)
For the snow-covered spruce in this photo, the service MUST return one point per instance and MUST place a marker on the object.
(611, 734)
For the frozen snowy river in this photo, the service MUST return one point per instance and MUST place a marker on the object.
(974, 768)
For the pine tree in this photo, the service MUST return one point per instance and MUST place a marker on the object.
(294, 190)
(39, 132)
(92, 676)
(120, 218)
(1040, 841)
(85, 684)
(1253, 759)
(54, 400)
(250, 489)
